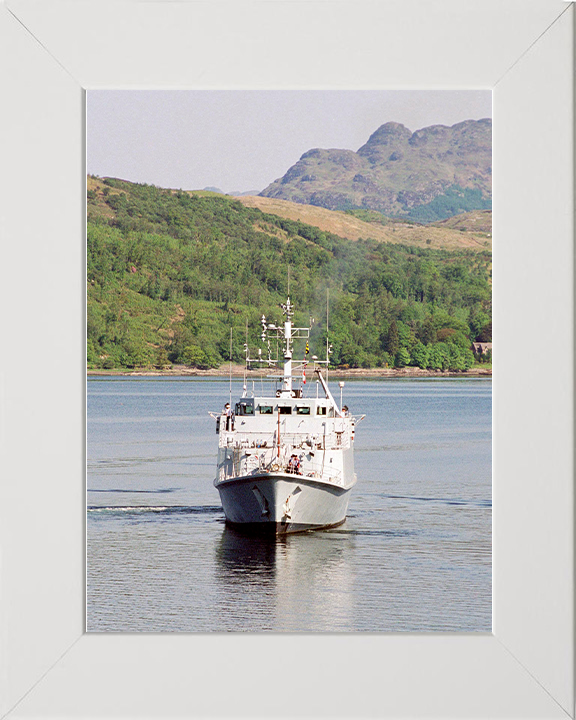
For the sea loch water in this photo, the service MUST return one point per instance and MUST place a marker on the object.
(413, 555)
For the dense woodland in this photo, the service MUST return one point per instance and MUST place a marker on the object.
(171, 273)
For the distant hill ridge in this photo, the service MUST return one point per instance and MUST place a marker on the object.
(428, 175)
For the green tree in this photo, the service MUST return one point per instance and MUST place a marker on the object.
(161, 358)
(195, 356)
(402, 358)
(419, 355)
(202, 358)
(392, 343)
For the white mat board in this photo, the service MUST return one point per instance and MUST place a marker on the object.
(50, 52)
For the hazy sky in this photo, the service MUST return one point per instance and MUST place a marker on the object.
(240, 140)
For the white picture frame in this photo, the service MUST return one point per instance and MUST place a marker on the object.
(51, 52)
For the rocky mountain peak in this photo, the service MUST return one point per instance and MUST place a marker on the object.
(391, 133)
(431, 174)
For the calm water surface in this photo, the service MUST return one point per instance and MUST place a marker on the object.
(413, 555)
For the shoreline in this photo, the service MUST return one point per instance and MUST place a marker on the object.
(238, 371)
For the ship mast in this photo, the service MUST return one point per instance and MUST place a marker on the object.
(287, 333)
(287, 379)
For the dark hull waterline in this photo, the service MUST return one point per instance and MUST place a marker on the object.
(278, 528)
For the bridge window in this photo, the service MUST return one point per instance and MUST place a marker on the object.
(303, 410)
(285, 409)
(265, 409)
(244, 409)
(320, 410)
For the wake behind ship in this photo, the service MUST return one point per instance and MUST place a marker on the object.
(285, 459)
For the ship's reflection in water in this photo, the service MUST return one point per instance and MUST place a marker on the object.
(296, 583)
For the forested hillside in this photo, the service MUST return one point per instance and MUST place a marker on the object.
(170, 273)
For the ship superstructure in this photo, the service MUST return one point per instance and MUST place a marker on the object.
(285, 457)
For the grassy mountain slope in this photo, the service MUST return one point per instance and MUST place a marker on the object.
(476, 222)
(460, 235)
(429, 175)
(170, 273)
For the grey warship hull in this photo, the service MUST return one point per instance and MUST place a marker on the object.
(281, 503)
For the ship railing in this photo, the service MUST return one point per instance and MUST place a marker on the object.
(241, 466)
(316, 471)
(242, 440)
(294, 441)
(305, 441)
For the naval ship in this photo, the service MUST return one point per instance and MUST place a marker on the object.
(285, 456)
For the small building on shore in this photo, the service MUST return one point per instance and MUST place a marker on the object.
(481, 348)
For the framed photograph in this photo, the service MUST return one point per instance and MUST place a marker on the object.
(267, 517)
(52, 52)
